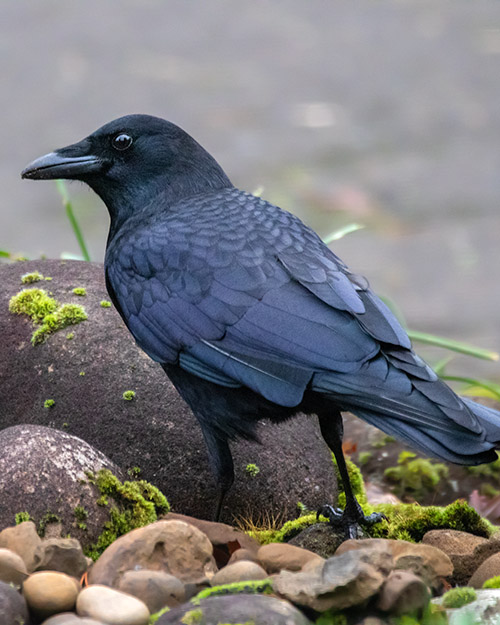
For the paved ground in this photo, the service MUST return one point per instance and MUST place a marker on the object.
(386, 113)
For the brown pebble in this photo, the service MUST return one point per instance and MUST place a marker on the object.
(50, 592)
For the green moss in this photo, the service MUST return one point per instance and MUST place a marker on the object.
(364, 457)
(21, 517)
(29, 278)
(254, 587)
(458, 597)
(489, 490)
(411, 521)
(80, 290)
(286, 532)
(252, 470)
(493, 582)
(154, 617)
(81, 516)
(45, 312)
(82, 373)
(331, 618)
(192, 617)
(134, 472)
(48, 403)
(47, 519)
(135, 504)
(128, 395)
(70, 336)
(415, 475)
(383, 441)
(105, 303)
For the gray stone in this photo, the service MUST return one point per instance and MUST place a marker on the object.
(43, 471)
(13, 608)
(156, 588)
(321, 538)
(403, 593)
(70, 618)
(295, 464)
(111, 606)
(61, 554)
(12, 568)
(257, 609)
(23, 540)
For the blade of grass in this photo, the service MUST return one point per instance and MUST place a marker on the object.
(61, 187)
(455, 346)
(338, 234)
(492, 388)
(4, 254)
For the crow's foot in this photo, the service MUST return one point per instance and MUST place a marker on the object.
(350, 520)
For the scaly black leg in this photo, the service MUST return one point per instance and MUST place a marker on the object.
(352, 516)
(221, 462)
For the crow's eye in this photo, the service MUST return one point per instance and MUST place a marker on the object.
(122, 141)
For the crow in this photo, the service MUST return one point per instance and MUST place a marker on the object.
(249, 313)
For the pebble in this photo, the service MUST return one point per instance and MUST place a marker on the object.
(61, 554)
(403, 593)
(156, 588)
(489, 568)
(111, 606)
(70, 618)
(13, 609)
(238, 572)
(12, 568)
(276, 557)
(50, 592)
(23, 540)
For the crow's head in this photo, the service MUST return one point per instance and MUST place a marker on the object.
(132, 159)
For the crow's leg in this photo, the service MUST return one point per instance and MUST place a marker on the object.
(221, 463)
(352, 516)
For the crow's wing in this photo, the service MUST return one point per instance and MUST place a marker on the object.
(240, 292)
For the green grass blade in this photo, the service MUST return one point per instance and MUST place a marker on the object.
(61, 187)
(455, 346)
(493, 389)
(4, 254)
(338, 234)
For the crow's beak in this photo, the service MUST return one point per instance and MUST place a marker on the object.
(61, 164)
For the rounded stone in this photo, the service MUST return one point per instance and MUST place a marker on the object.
(156, 430)
(13, 608)
(243, 554)
(111, 606)
(238, 572)
(70, 618)
(174, 547)
(453, 542)
(50, 592)
(61, 554)
(156, 588)
(488, 569)
(12, 568)
(23, 540)
(46, 470)
(275, 557)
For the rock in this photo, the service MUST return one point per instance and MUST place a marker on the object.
(275, 557)
(111, 606)
(61, 554)
(403, 593)
(294, 462)
(320, 538)
(465, 565)
(13, 608)
(238, 572)
(50, 592)
(342, 582)
(489, 568)
(255, 609)
(453, 542)
(23, 540)
(43, 471)
(224, 538)
(426, 561)
(155, 588)
(243, 554)
(12, 568)
(174, 547)
(485, 610)
(70, 618)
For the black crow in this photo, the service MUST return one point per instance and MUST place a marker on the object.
(249, 313)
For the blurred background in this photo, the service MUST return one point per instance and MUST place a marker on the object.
(382, 113)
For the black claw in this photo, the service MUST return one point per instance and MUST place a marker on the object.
(351, 520)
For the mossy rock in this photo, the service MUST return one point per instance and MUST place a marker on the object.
(85, 369)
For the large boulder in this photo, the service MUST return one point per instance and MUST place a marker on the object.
(86, 368)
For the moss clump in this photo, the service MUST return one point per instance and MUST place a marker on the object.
(331, 618)
(154, 617)
(47, 519)
(254, 587)
(415, 475)
(29, 278)
(80, 290)
(384, 440)
(48, 403)
(364, 457)
(105, 303)
(493, 582)
(81, 516)
(192, 617)
(135, 504)
(21, 517)
(128, 395)
(457, 597)
(411, 521)
(70, 336)
(252, 470)
(45, 312)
